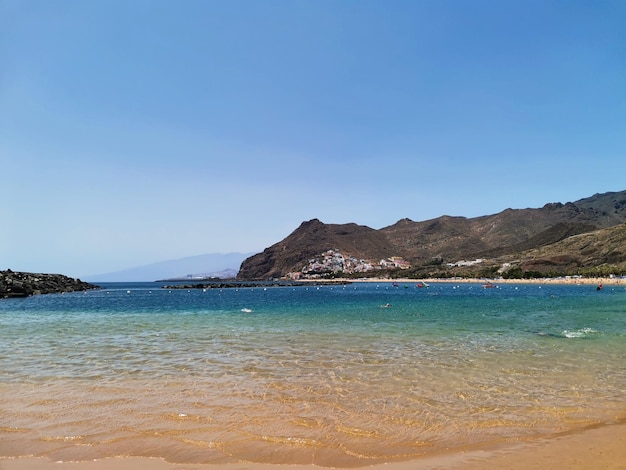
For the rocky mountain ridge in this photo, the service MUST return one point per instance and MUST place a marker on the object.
(439, 245)
(597, 253)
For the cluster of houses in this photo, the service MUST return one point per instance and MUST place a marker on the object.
(335, 262)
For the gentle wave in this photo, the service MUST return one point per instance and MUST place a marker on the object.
(581, 333)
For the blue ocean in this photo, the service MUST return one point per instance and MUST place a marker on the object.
(342, 375)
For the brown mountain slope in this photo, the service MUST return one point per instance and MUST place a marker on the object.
(442, 240)
(455, 238)
(600, 252)
(311, 239)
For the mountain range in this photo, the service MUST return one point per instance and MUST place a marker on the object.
(207, 265)
(586, 236)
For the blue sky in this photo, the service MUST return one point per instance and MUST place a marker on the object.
(139, 131)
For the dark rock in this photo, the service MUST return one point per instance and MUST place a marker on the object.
(252, 284)
(20, 284)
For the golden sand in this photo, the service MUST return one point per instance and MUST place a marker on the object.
(608, 281)
(595, 448)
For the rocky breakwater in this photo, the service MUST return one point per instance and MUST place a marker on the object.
(18, 284)
(252, 284)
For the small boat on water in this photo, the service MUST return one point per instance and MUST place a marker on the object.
(488, 285)
(421, 285)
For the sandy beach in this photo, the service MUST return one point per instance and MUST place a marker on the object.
(596, 448)
(608, 281)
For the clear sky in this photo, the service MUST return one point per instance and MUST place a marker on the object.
(139, 131)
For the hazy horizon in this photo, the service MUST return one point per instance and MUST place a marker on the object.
(207, 263)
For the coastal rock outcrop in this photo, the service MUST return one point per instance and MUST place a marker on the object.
(20, 284)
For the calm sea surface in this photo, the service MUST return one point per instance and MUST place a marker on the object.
(324, 375)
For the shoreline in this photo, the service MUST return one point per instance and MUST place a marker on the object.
(597, 447)
(591, 281)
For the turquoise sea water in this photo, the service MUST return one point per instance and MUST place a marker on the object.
(326, 375)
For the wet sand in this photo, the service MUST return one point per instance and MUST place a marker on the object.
(595, 448)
